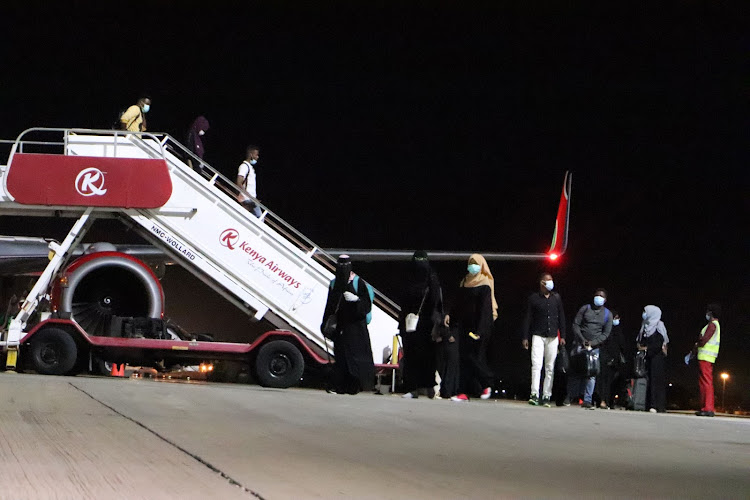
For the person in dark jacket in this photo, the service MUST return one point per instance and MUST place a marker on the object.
(591, 327)
(653, 339)
(611, 360)
(195, 136)
(472, 315)
(421, 297)
(545, 324)
(353, 368)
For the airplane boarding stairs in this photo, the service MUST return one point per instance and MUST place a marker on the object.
(261, 265)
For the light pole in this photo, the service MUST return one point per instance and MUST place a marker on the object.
(724, 377)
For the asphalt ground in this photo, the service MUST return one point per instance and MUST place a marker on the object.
(87, 437)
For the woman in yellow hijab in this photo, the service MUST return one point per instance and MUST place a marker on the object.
(472, 316)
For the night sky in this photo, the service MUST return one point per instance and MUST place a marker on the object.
(446, 126)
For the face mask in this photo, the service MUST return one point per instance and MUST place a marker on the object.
(598, 300)
(253, 162)
(708, 317)
(146, 107)
(201, 132)
(474, 268)
(549, 285)
(644, 315)
(615, 322)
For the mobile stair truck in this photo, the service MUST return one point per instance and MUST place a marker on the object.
(109, 305)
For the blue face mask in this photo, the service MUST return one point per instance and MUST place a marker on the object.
(474, 268)
(146, 107)
(644, 315)
(598, 300)
(253, 162)
(615, 322)
(549, 285)
(708, 317)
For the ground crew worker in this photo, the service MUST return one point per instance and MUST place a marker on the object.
(708, 350)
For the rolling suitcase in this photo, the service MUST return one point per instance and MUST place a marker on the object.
(639, 387)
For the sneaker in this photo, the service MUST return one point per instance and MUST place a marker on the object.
(546, 403)
(566, 401)
(588, 406)
(534, 400)
(410, 395)
(431, 393)
(603, 406)
(652, 410)
(460, 397)
(486, 393)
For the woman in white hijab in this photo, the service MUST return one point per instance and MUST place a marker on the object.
(653, 339)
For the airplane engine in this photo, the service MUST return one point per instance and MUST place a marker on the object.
(105, 284)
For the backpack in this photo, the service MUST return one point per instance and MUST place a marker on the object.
(606, 312)
(370, 292)
(116, 123)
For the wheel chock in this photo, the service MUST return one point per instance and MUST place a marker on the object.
(12, 359)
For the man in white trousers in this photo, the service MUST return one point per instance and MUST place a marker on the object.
(545, 325)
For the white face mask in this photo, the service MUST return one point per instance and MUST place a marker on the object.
(644, 315)
(598, 300)
(615, 322)
(201, 132)
(708, 317)
(146, 107)
(549, 285)
(253, 162)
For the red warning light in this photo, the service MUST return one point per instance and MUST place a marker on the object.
(553, 256)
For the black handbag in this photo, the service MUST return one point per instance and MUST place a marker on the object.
(331, 325)
(639, 366)
(562, 361)
(440, 332)
(592, 363)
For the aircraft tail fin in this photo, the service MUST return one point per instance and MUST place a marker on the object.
(560, 236)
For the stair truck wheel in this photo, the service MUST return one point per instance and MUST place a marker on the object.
(53, 352)
(279, 364)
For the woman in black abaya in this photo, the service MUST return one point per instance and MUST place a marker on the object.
(353, 369)
(472, 316)
(421, 296)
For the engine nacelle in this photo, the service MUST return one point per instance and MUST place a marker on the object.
(105, 284)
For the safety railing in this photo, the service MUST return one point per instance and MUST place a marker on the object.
(26, 143)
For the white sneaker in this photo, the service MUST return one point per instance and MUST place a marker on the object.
(652, 410)
(408, 395)
(486, 393)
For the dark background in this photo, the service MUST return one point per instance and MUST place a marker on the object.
(442, 126)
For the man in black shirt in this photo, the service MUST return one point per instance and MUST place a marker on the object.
(545, 324)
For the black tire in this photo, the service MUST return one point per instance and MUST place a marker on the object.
(279, 364)
(53, 352)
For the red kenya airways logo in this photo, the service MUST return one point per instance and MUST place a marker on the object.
(228, 238)
(90, 182)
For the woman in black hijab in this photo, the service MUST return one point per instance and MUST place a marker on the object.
(195, 136)
(421, 297)
(353, 369)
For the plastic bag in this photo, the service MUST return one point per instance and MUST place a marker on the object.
(562, 361)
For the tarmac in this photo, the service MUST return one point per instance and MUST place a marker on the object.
(91, 437)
